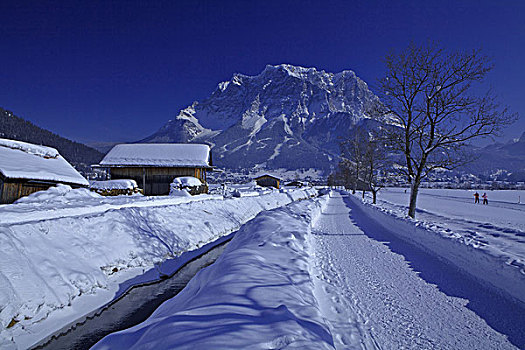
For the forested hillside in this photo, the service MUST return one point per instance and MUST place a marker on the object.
(16, 128)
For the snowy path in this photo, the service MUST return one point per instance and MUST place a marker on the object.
(379, 293)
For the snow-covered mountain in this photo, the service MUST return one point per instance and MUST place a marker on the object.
(286, 117)
(502, 161)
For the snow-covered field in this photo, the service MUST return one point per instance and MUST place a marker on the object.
(379, 289)
(64, 252)
(506, 208)
(496, 231)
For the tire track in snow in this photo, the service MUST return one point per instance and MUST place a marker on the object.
(372, 298)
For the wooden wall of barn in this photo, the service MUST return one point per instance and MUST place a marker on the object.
(11, 191)
(158, 179)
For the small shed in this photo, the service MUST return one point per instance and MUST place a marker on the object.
(26, 168)
(267, 180)
(154, 165)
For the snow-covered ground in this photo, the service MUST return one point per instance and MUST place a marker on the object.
(506, 208)
(331, 272)
(378, 291)
(64, 252)
(257, 295)
(495, 233)
(326, 274)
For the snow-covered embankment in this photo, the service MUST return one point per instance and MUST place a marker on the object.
(257, 295)
(46, 265)
(485, 263)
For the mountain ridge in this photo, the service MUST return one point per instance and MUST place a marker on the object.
(285, 117)
(291, 117)
(17, 128)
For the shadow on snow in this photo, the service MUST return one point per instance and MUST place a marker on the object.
(504, 315)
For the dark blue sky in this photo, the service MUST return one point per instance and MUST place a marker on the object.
(117, 71)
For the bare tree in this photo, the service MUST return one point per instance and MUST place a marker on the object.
(365, 156)
(353, 156)
(342, 175)
(429, 97)
(375, 162)
(346, 173)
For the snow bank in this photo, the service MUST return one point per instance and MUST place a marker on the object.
(58, 194)
(257, 295)
(179, 193)
(246, 190)
(47, 264)
(488, 265)
(64, 202)
(113, 185)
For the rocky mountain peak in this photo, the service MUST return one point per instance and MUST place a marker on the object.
(285, 117)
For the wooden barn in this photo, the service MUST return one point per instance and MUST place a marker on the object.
(26, 168)
(268, 180)
(154, 165)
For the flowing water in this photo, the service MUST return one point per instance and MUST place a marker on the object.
(132, 308)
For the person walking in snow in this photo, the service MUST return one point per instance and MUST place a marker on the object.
(485, 199)
(476, 197)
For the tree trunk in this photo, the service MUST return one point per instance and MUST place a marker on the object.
(356, 180)
(414, 188)
(374, 196)
(363, 194)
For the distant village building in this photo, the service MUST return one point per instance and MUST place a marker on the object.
(154, 165)
(296, 183)
(268, 180)
(26, 168)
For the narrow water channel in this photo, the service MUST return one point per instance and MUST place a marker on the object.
(131, 309)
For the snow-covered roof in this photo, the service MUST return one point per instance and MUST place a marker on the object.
(42, 151)
(158, 155)
(267, 175)
(21, 160)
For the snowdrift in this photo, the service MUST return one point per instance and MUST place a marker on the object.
(45, 264)
(490, 266)
(257, 295)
